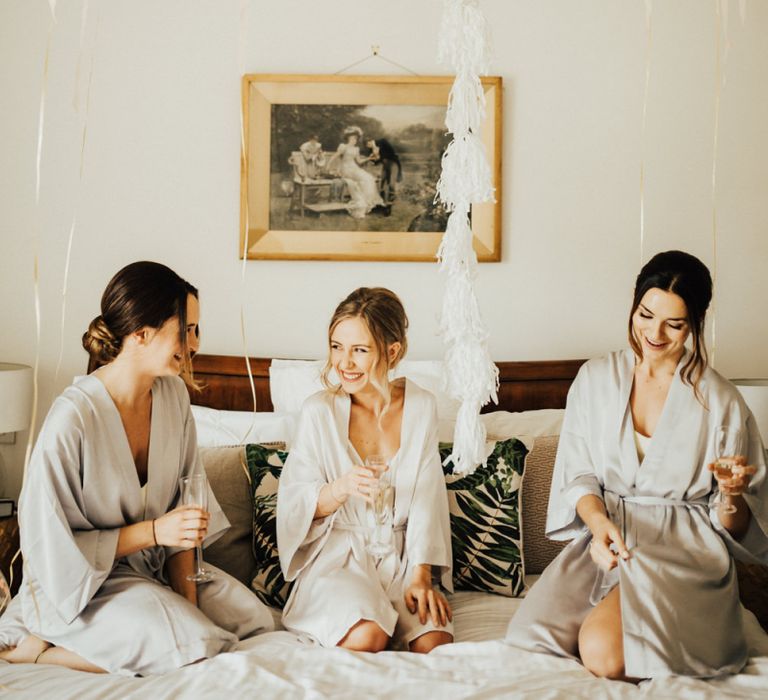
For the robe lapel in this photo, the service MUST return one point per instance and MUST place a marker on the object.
(630, 464)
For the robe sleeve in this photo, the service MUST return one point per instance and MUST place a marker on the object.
(753, 546)
(66, 556)
(428, 531)
(299, 536)
(191, 463)
(574, 473)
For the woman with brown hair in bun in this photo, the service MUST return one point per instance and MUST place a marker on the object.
(107, 548)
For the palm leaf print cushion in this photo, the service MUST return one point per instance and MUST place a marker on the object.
(265, 462)
(485, 520)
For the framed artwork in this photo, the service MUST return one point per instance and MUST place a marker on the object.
(345, 167)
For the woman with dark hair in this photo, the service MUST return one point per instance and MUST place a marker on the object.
(107, 546)
(647, 587)
(345, 594)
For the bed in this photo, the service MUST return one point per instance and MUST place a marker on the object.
(478, 665)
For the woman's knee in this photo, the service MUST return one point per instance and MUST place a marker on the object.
(602, 654)
(365, 636)
(429, 640)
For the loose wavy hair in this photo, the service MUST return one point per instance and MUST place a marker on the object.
(383, 314)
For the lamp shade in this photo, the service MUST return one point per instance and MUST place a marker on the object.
(755, 393)
(15, 397)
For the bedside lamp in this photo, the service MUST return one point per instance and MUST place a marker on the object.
(15, 403)
(15, 398)
(755, 393)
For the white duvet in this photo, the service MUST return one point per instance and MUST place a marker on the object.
(276, 665)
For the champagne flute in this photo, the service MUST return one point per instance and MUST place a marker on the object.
(194, 492)
(383, 494)
(727, 447)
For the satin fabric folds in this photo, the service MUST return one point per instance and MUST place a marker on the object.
(679, 596)
(82, 487)
(338, 582)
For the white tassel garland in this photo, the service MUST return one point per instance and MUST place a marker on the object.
(471, 376)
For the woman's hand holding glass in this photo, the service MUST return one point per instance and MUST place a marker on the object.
(730, 466)
(194, 493)
(185, 526)
(360, 481)
(733, 475)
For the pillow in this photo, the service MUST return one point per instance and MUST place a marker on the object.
(485, 520)
(538, 551)
(291, 382)
(265, 462)
(227, 475)
(526, 426)
(220, 428)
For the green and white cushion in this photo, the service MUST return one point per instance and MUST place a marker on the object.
(265, 463)
(485, 520)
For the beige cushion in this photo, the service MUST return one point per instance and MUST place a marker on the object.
(538, 551)
(227, 474)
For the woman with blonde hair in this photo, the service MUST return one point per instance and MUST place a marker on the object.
(344, 595)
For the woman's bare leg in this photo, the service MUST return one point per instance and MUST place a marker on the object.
(26, 652)
(59, 656)
(365, 635)
(34, 650)
(601, 640)
(426, 642)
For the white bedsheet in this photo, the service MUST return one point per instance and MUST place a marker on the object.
(276, 665)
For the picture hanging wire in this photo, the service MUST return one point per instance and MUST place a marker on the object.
(376, 53)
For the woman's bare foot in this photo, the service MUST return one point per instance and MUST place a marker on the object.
(26, 652)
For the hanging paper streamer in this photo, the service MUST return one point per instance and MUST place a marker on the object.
(471, 376)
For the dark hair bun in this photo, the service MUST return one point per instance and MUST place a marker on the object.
(100, 342)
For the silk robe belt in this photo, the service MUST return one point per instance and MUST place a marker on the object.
(616, 505)
(363, 529)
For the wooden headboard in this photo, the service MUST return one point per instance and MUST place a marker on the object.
(523, 386)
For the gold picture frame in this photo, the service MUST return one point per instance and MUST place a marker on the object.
(339, 167)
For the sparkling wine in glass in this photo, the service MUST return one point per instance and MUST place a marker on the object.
(194, 492)
(728, 446)
(382, 508)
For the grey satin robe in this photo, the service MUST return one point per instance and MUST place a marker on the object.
(81, 488)
(679, 596)
(337, 582)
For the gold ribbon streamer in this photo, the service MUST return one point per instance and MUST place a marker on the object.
(719, 24)
(83, 138)
(36, 260)
(242, 40)
(648, 15)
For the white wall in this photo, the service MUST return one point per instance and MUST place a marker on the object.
(161, 169)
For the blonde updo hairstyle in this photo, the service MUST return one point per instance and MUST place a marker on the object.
(383, 314)
(142, 294)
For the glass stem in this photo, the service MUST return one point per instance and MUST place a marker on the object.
(199, 557)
